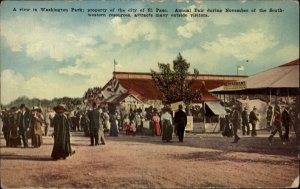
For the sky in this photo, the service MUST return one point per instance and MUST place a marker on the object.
(56, 54)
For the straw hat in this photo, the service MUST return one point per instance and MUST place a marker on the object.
(35, 108)
(60, 108)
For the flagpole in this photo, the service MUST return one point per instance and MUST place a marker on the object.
(114, 65)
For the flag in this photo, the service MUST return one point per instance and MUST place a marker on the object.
(115, 62)
(241, 68)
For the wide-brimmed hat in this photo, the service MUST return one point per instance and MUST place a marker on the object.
(270, 107)
(60, 108)
(22, 106)
(13, 109)
(254, 108)
(245, 108)
(36, 108)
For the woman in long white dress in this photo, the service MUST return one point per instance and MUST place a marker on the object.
(167, 124)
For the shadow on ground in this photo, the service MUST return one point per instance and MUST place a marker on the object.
(25, 157)
(226, 156)
(246, 144)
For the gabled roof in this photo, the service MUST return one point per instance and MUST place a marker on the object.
(141, 85)
(146, 88)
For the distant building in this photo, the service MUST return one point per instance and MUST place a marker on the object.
(132, 90)
(138, 88)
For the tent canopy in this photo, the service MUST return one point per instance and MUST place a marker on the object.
(283, 79)
(216, 108)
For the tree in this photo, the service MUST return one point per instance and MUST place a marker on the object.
(71, 103)
(175, 84)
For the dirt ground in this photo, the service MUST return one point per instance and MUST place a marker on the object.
(202, 160)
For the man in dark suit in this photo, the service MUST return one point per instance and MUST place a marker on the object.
(23, 122)
(180, 121)
(236, 122)
(245, 122)
(94, 116)
(285, 119)
(253, 119)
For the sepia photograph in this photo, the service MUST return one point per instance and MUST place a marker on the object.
(149, 94)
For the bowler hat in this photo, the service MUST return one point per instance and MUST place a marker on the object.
(60, 108)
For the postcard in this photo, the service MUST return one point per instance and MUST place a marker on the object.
(54, 50)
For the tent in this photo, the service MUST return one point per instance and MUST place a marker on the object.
(215, 107)
(208, 120)
(281, 80)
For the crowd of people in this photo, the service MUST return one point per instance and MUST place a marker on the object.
(19, 124)
(99, 121)
(22, 123)
(276, 120)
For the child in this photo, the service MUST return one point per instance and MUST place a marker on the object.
(132, 128)
(126, 125)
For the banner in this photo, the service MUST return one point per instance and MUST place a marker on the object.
(237, 85)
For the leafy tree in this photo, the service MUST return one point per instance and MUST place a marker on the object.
(71, 103)
(175, 83)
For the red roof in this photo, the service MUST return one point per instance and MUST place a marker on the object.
(206, 96)
(292, 63)
(143, 87)
(146, 88)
